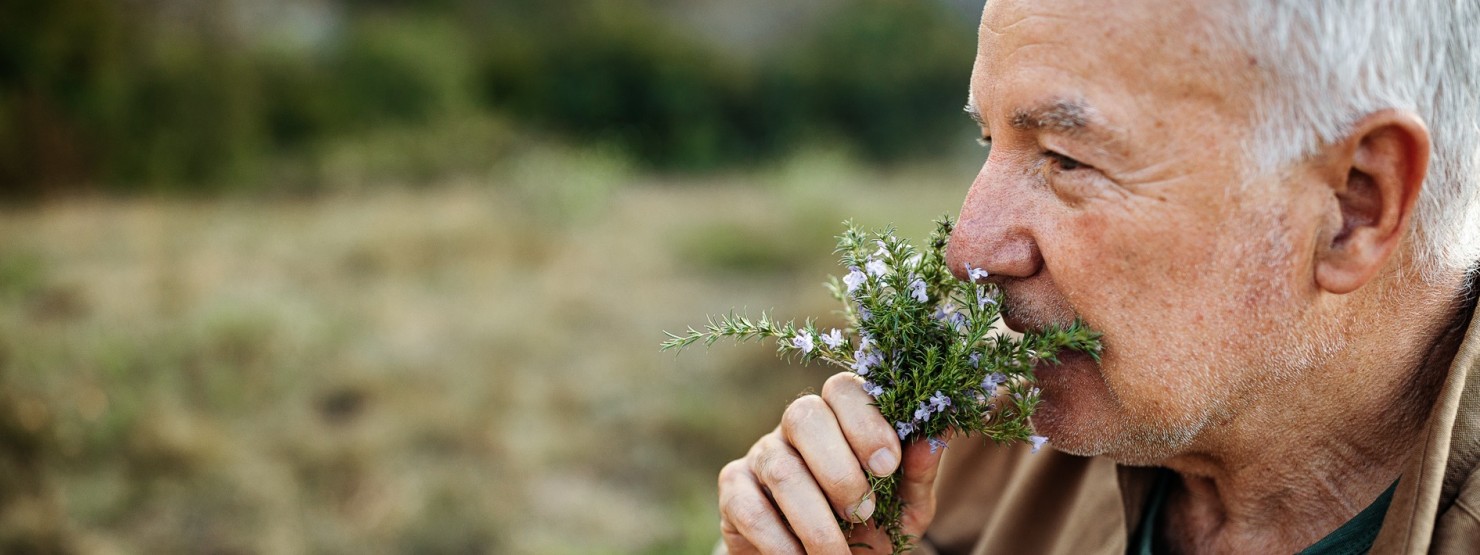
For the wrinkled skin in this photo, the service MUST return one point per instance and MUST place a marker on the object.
(1251, 342)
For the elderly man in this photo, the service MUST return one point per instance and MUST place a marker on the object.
(1271, 209)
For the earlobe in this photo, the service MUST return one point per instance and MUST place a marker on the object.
(1381, 168)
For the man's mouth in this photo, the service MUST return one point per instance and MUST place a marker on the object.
(1024, 320)
(1013, 322)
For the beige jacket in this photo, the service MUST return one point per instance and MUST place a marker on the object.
(1004, 500)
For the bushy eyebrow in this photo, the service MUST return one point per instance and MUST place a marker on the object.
(972, 112)
(1070, 117)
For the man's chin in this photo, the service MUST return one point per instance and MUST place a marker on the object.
(1080, 416)
(1074, 404)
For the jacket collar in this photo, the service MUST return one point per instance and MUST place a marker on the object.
(1450, 450)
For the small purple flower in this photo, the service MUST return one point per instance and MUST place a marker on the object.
(990, 383)
(863, 361)
(854, 279)
(865, 340)
(917, 290)
(940, 401)
(874, 390)
(936, 444)
(976, 361)
(983, 298)
(961, 323)
(974, 274)
(946, 311)
(833, 339)
(922, 414)
(865, 314)
(875, 267)
(883, 251)
(903, 429)
(1038, 442)
(803, 341)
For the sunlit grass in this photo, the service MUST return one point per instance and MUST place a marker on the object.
(466, 367)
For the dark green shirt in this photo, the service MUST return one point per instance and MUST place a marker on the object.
(1352, 538)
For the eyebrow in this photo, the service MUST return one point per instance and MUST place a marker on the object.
(1070, 117)
(972, 112)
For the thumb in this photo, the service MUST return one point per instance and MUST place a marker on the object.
(917, 486)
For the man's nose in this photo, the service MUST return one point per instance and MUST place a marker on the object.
(993, 231)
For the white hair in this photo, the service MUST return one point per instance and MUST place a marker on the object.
(1328, 63)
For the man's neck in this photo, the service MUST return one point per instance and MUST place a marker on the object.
(1284, 476)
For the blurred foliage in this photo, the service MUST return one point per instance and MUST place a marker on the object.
(196, 96)
(458, 369)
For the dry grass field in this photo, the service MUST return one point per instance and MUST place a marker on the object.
(470, 367)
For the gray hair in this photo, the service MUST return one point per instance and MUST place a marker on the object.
(1328, 63)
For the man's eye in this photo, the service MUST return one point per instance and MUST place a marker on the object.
(1064, 163)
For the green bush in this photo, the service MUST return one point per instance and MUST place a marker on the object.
(93, 92)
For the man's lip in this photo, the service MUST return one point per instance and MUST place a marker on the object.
(1020, 325)
(1067, 359)
(1014, 323)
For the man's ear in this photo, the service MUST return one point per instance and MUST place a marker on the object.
(1375, 175)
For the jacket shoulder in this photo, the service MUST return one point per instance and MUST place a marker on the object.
(994, 498)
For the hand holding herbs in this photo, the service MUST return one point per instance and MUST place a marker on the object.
(924, 346)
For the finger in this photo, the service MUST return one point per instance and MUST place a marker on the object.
(749, 522)
(780, 469)
(917, 486)
(809, 426)
(871, 436)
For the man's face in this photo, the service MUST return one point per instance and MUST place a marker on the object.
(1116, 191)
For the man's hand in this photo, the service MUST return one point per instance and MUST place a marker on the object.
(783, 495)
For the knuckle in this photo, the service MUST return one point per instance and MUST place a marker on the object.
(801, 410)
(838, 382)
(777, 468)
(746, 517)
(731, 471)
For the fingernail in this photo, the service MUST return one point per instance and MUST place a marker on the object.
(864, 509)
(882, 462)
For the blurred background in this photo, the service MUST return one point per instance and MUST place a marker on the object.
(378, 276)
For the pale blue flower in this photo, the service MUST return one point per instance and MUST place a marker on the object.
(865, 340)
(865, 314)
(863, 361)
(982, 298)
(917, 290)
(936, 444)
(903, 429)
(993, 380)
(833, 339)
(883, 251)
(874, 390)
(1038, 442)
(975, 359)
(875, 267)
(922, 414)
(854, 279)
(974, 274)
(940, 401)
(803, 341)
